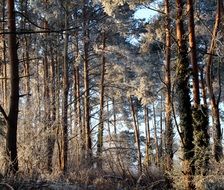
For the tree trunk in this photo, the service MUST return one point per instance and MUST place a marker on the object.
(11, 136)
(192, 43)
(114, 118)
(65, 98)
(52, 95)
(58, 115)
(203, 88)
(155, 136)
(183, 98)
(161, 132)
(3, 65)
(88, 141)
(47, 109)
(147, 136)
(200, 118)
(137, 136)
(168, 103)
(27, 71)
(47, 102)
(78, 113)
(217, 136)
(101, 118)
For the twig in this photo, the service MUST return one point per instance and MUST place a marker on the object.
(3, 113)
(7, 185)
(175, 119)
(156, 183)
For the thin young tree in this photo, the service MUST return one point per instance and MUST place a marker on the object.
(102, 94)
(168, 103)
(217, 136)
(147, 136)
(65, 95)
(157, 158)
(86, 44)
(136, 132)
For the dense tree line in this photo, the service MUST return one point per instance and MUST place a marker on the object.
(86, 84)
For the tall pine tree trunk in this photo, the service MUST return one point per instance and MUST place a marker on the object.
(183, 98)
(78, 114)
(217, 134)
(168, 103)
(137, 135)
(52, 95)
(11, 135)
(58, 114)
(88, 141)
(3, 64)
(47, 102)
(199, 114)
(65, 98)
(101, 118)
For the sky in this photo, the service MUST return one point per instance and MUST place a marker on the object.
(144, 13)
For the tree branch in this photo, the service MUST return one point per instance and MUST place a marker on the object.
(21, 32)
(3, 113)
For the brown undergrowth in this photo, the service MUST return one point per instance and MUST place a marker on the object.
(85, 179)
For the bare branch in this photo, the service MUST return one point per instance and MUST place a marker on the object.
(3, 113)
(6, 185)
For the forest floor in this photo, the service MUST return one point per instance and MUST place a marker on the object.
(92, 180)
(46, 185)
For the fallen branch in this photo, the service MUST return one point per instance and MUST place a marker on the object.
(7, 186)
(154, 184)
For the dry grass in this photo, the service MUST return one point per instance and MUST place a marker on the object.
(87, 179)
(214, 180)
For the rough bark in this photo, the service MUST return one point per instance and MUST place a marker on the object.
(193, 53)
(47, 109)
(3, 64)
(52, 94)
(11, 136)
(168, 103)
(88, 141)
(78, 113)
(183, 98)
(199, 113)
(101, 118)
(58, 114)
(27, 70)
(65, 98)
(47, 102)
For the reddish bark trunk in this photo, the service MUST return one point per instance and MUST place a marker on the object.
(11, 136)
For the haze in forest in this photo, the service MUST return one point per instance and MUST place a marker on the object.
(117, 95)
